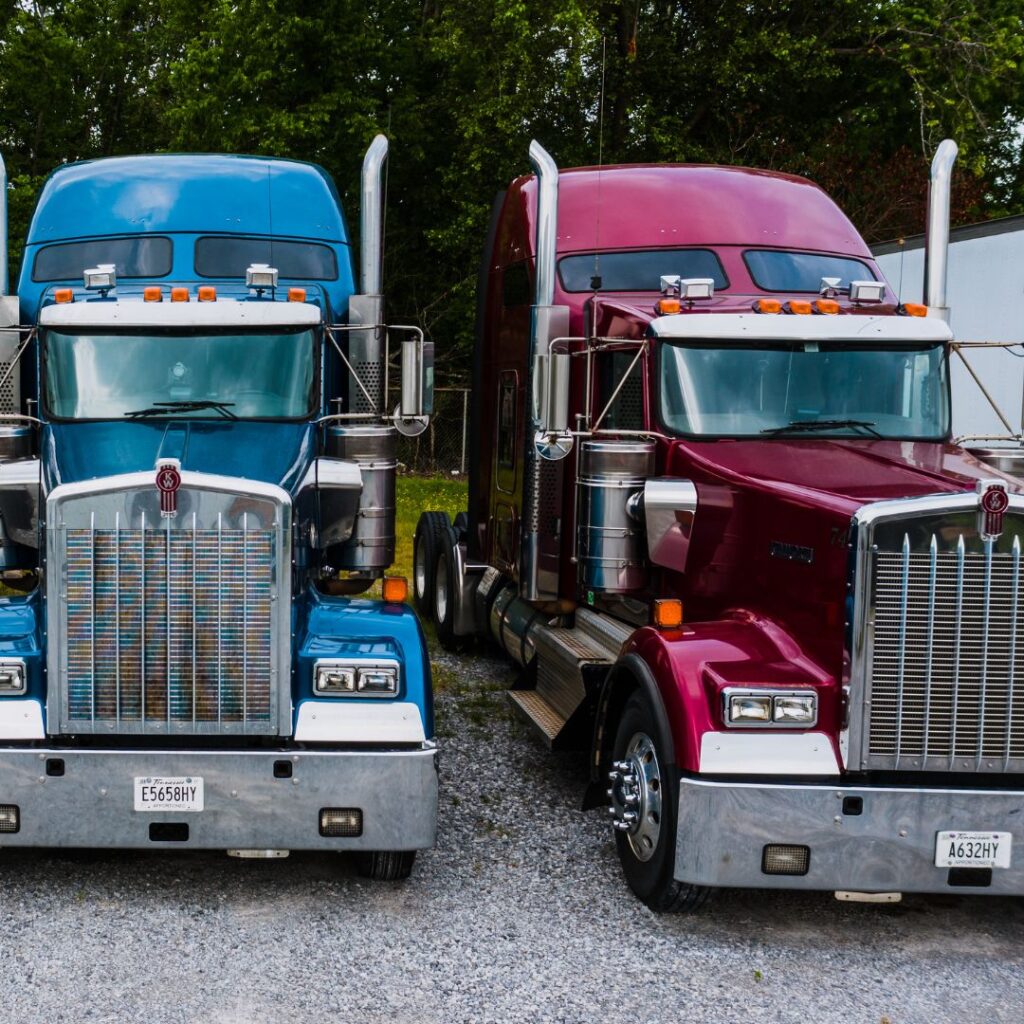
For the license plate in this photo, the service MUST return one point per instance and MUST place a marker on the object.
(973, 849)
(163, 794)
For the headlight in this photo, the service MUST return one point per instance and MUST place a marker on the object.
(772, 708)
(356, 678)
(12, 678)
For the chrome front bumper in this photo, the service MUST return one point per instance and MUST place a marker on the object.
(246, 806)
(888, 847)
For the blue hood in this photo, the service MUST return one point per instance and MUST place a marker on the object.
(277, 453)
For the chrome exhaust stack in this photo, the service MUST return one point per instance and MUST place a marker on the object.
(936, 238)
(4, 279)
(538, 570)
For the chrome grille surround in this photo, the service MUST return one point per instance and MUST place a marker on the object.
(937, 638)
(187, 617)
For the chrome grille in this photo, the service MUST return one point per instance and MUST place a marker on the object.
(168, 624)
(946, 666)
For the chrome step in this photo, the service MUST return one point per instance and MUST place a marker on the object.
(538, 712)
(603, 631)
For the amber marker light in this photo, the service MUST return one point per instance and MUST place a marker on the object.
(395, 589)
(666, 307)
(153, 293)
(799, 306)
(912, 309)
(207, 293)
(767, 306)
(668, 613)
(63, 295)
(296, 294)
(179, 295)
(829, 306)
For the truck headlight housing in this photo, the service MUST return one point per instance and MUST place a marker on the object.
(12, 678)
(774, 709)
(356, 678)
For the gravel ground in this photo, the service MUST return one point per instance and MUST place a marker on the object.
(520, 914)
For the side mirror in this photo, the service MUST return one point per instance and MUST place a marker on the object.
(417, 387)
(551, 373)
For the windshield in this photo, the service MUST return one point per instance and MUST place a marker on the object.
(637, 271)
(778, 271)
(109, 376)
(804, 389)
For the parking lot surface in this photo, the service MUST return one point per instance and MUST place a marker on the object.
(520, 914)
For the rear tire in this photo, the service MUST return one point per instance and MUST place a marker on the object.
(647, 849)
(385, 865)
(444, 596)
(431, 533)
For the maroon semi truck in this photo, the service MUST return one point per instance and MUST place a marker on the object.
(716, 515)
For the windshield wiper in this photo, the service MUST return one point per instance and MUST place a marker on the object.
(159, 408)
(809, 426)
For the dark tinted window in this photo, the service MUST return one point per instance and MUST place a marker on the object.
(776, 271)
(133, 257)
(229, 257)
(515, 285)
(637, 271)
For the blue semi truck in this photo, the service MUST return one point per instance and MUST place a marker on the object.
(197, 483)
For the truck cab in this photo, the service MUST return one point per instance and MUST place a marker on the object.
(718, 519)
(196, 486)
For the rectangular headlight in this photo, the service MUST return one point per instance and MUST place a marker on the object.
(796, 709)
(792, 709)
(380, 679)
(335, 679)
(12, 678)
(745, 707)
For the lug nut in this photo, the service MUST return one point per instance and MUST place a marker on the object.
(632, 799)
(620, 826)
(629, 817)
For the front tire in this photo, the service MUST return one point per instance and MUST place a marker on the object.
(385, 865)
(431, 535)
(644, 798)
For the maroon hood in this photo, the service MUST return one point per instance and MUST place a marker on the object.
(839, 474)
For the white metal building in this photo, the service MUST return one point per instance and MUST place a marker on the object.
(986, 301)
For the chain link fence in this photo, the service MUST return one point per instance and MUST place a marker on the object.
(443, 448)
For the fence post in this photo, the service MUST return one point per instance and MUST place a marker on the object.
(465, 423)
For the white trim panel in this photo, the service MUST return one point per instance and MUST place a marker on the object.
(351, 721)
(21, 719)
(746, 327)
(221, 313)
(754, 753)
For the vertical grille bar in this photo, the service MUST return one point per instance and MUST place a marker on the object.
(985, 633)
(905, 593)
(245, 616)
(170, 605)
(142, 599)
(1014, 609)
(220, 610)
(933, 573)
(955, 718)
(195, 677)
(117, 617)
(92, 618)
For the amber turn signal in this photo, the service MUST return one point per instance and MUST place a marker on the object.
(668, 613)
(800, 306)
(829, 306)
(912, 309)
(296, 294)
(666, 307)
(63, 295)
(207, 293)
(395, 589)
(767, 306)
(179, 295)
(153, 293)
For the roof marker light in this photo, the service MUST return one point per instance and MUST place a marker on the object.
(666, 307)
(207, 293)
(296, 294)
(152, 293)
(829, 306)
(179, 295)
(800, 306)
(63, 295)
(767, 306)
(912, 309)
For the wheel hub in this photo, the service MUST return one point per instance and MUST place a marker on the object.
(635, 795)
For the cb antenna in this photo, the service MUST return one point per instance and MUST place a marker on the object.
(595, 281)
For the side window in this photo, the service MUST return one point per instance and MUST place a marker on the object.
(508, 384)
(515, 285)
(627, 411)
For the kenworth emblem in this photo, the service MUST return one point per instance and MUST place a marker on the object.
(992, 505)
(168, 480)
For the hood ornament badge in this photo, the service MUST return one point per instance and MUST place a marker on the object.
(168, 480)
(993, 501)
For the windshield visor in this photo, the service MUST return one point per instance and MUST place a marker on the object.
(807, 390)
(108, 376)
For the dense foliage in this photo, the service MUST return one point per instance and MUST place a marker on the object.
(853, 93)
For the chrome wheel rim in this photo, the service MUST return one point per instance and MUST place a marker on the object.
(636, 796)
(419, 569)
(441, 590)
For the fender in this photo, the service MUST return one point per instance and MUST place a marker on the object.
(689, 667)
